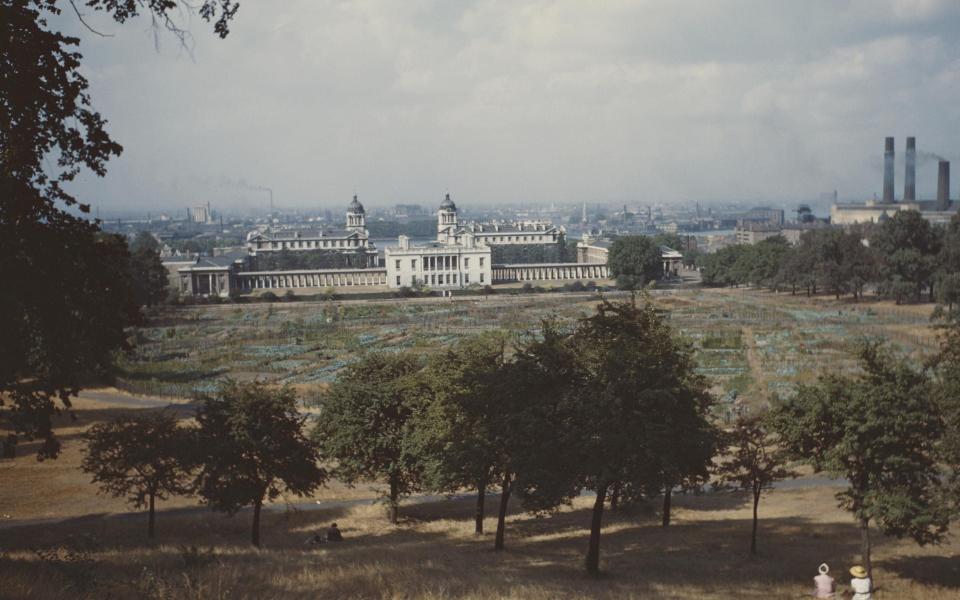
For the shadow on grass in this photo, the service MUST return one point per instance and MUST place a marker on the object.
(930, 570)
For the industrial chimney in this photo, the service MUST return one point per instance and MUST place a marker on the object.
(943, 186)
(910, 171)
(888, 154)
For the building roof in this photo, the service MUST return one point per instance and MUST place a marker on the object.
(448, 204)
(289, 235)
(355, 206)
(668, 252)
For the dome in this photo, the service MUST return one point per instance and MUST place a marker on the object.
(355, 206)
(448, 204)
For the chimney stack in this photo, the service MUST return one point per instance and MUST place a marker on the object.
(910, 172)
(888, 155)
(943, 186)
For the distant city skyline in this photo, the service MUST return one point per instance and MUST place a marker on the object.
(523, 102)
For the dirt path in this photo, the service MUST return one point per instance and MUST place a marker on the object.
(758, 389)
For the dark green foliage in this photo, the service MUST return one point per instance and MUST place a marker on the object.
(64, 301)
(880, 432)
(367, 421)
(269, 296)
(947, 277)
(143, 458)
(621, 390)
(634, 261)
(947, 368)
(516, 254)
(308, 259)
(460, 433)
(910, 247)
(756, 463)
(148, 273)
(424, 228)
(252, 447)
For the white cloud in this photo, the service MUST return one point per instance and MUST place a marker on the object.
(538, 100)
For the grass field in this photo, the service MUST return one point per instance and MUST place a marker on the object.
(71, 543)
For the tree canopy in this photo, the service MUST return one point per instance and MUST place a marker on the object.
(252, 448)
(61, 311)
(366, 423)
(143, 458)
(634, 261)
(879, 431)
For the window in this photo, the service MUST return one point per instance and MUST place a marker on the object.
(413, 264)
(481, 277)
(398, 280)
(466, 263)
(398, 264)
(481, 261)
(466, 278)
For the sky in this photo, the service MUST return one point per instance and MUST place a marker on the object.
(530, 102)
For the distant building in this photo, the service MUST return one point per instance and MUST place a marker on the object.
(201, 214)
(353, 238)
(495, 233)
(453, 264)
(751, 232)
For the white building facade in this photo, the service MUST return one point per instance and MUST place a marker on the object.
(450, 265)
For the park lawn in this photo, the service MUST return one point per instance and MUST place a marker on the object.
(433, 553)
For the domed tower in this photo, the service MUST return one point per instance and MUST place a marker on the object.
(356, 216)
(446, 219)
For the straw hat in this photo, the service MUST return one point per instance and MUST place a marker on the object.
(858, 571)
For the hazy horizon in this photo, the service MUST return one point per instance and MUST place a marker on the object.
(523, 102)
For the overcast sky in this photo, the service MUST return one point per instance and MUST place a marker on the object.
(541, 101)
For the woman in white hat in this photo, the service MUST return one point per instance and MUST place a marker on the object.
(824, 586)
(860, 584)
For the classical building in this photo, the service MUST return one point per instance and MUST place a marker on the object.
(455, 263)
(353, 238)
(495, 233)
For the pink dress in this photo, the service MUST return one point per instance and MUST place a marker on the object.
(823, 585)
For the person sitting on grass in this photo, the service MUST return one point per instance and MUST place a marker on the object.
(860, 584)
(823, 584)
(333, 534)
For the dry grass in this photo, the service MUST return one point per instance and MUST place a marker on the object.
(434, 554)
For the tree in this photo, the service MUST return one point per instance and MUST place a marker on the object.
(634, 261)
(909, 246)
(253, 448)
(48, 135)
(459, 433)
(149, 275)
(879, 431)
(61, 330)
(756, 463)
(621, 386)
(366, 423)
(144, 458)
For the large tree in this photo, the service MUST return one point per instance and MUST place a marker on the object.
(143, 458)
(634, 261)
(909, 247)
(59, 310)
(880, 432)
(149, 275)
(253, 447)
(366, 423)
(626, 389)
(459, 434)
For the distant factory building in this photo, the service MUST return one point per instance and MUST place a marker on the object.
(940, 210)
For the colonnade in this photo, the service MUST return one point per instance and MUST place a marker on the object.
(265, 280)
(549, 272)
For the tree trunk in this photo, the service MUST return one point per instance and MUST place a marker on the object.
(593, 552)
(152, 518)
(255, 536)
(753, 533)
(665, 518)
(394, 501)
(615, 496)
(502, 514)
(865, 546)
(481, 497)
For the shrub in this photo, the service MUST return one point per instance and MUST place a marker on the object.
(268, 297)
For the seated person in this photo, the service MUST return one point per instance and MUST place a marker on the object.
(333, 534)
